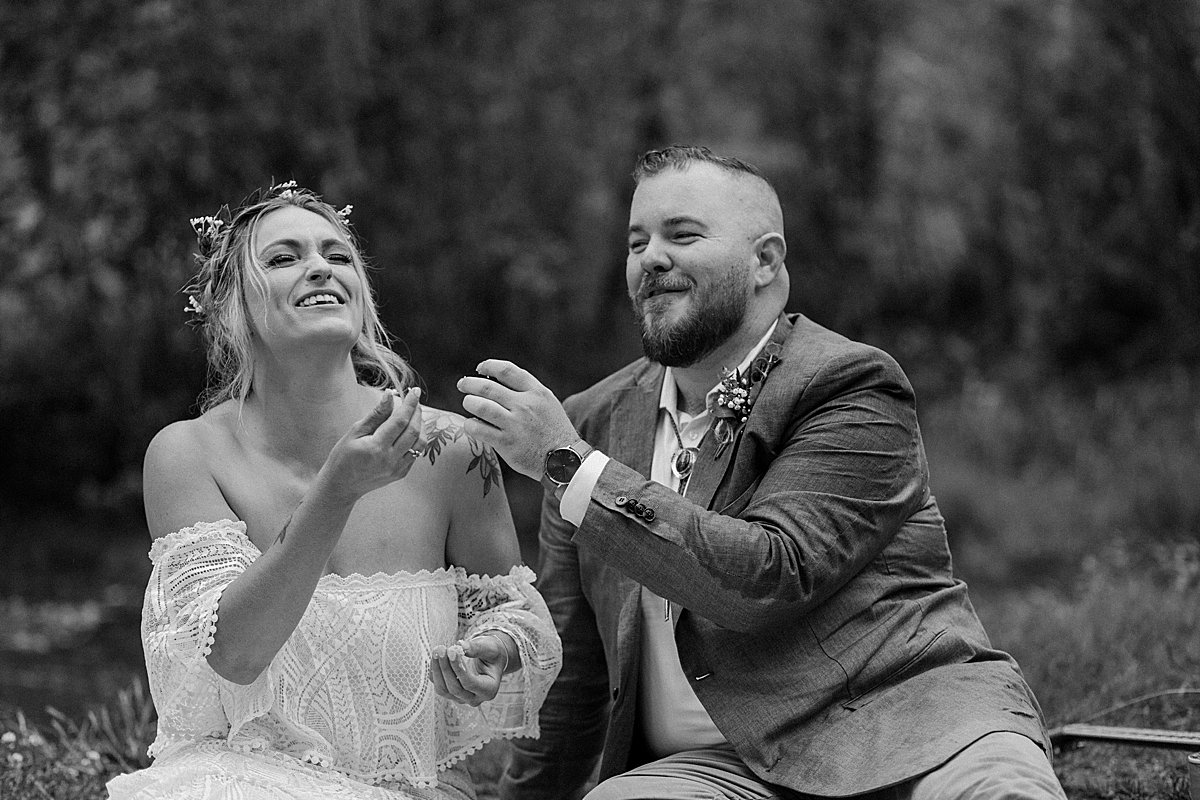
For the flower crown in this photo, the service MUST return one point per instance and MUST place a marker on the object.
(213, 230)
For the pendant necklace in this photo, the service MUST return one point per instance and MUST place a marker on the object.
(684, 458)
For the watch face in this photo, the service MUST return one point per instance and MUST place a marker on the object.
(562, 464)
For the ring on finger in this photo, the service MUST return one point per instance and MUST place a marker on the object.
(414, 452)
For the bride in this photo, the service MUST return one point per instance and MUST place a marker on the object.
(336, 608)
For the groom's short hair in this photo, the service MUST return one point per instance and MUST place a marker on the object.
(681, 156)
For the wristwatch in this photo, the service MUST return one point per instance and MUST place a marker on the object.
(563, 462)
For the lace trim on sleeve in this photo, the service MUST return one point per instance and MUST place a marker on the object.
(511, 604)
(226, 530)
(192, 567)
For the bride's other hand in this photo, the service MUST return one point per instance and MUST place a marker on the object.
(378, 449)
(470, 672)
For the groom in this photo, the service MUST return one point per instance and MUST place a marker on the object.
(739, 545)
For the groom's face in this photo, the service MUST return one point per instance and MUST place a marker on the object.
(690, 261)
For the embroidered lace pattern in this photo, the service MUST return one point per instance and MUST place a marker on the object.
(348, 694)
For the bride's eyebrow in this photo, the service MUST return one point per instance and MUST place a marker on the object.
(293, 243)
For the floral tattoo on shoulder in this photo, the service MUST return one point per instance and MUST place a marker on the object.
(443, 429)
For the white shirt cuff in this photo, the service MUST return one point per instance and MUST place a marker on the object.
(575, 499)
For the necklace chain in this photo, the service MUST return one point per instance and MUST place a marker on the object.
(681, 467)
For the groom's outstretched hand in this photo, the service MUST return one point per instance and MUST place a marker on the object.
(513, 412)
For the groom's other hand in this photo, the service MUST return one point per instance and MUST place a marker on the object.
(513, 412)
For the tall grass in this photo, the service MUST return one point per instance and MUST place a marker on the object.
(120, 731)
(1120, 647)
(1121, 632)
(73, 759)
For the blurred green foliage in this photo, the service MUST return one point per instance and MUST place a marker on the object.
(1004, 191)
(1034, 479)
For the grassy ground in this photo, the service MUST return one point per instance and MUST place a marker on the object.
(1074, 517)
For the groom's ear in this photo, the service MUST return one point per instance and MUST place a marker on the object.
(770, 249)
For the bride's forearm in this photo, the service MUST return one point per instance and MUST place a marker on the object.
(260, 609)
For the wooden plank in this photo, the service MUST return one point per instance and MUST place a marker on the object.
(1139, 737)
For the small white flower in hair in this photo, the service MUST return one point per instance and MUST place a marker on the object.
(286, 190)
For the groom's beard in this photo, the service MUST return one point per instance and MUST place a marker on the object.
(714, 316)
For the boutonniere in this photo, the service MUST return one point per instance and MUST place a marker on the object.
(736, 395)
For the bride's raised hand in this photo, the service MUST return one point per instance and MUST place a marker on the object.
(378, 449)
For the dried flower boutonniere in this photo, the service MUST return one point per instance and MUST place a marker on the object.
(736, 395)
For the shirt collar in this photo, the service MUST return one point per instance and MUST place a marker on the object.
(668, 397)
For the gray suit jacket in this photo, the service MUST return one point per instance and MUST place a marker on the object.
(822, 628)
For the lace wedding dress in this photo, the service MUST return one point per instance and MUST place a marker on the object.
(346, 708)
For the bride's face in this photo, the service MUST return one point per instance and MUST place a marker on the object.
(315, 285)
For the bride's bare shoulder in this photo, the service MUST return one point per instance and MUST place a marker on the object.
(199, 437)
(178, 483)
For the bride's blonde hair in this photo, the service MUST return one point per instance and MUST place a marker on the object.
(228, 269)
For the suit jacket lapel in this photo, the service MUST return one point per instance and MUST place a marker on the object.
(711, 468)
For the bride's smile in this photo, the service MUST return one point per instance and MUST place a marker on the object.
(312, 281)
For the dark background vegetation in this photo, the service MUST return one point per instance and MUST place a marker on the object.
(1004, 194)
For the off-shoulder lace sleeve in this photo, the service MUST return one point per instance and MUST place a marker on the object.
(191, 568)
(511, 604)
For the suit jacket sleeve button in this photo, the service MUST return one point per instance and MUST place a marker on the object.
(621, 500)
(649, 515)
